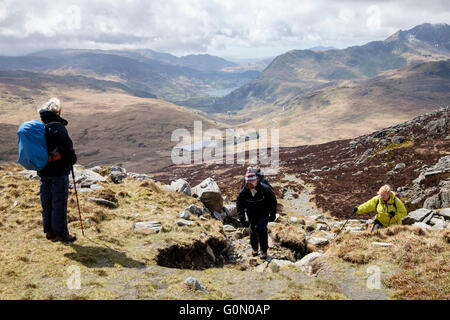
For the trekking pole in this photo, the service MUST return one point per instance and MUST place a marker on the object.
(78, 202)
(343, 226)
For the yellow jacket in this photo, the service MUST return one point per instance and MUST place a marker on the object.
(383, 209)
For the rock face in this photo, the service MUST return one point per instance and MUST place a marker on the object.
(181, 185)
(209, 193)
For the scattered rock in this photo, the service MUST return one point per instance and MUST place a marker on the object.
(305, 263)
(181, 185)
(85, 178)
(183, 222)
(30, 174)
(400, 166)
(438, 223)
(194, 209)
(194, 284)
(185, 215)
(318, 242)
(398, 139)
(117, 176)
(229, 228)
(444, 213)
(97, 187)
(104, 202)
(382, 244)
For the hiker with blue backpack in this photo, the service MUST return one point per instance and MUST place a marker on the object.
(47, 148)
(390, 209)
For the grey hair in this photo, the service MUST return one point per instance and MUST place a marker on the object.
(52, 105)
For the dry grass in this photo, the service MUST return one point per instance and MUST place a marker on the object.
(31, 266)
(420, 259)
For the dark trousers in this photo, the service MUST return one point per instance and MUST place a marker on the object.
(377, 225)
(258, 231)
(54, 193)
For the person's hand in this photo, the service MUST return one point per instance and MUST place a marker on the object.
(391, 214)
(355, 210)
(245, 223)
(272, 218)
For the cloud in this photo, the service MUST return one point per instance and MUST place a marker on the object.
(229, 27)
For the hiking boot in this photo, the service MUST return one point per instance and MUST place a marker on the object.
(50, 235)
(263, 255)
(254, 253)
(68, 238)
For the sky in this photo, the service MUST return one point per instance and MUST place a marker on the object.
(245, 29)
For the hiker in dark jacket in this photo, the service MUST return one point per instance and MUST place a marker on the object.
(54, 190)
(259, 202)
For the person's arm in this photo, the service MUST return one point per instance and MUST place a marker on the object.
(401, 209)
(65, 146)
(240, 206)
(368, 206)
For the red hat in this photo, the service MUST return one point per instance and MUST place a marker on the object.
(250, 177)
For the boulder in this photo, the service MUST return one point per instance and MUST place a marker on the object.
(147, 227)
(416, 216)
(181, 185)
(208, 192)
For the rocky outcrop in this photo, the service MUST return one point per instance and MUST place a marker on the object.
(208, 192)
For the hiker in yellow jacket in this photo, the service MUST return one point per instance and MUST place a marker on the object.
(390, 209)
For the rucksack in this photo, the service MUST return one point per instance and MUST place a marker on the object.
(33, 154)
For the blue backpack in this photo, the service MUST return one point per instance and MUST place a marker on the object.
(33, 154)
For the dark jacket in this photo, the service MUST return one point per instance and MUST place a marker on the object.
(56, 136)
(263, 203)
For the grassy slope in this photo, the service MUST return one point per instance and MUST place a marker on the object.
(124, 124)
(117, 263)
(353, 109)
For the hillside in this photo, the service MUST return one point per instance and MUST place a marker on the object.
(171, 78)
(139, 248)
(356, 108)
(300, 72)
(106, 123)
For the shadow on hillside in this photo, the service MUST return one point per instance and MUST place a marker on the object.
(101, 257)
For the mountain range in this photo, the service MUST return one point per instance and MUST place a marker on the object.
(300, 72)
